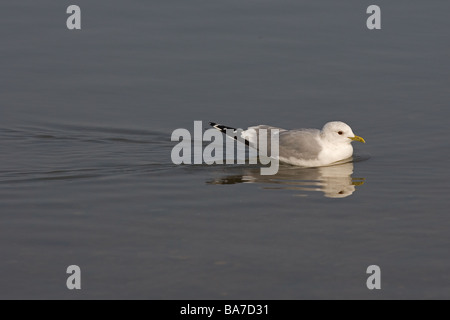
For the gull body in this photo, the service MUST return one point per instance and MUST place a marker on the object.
(305, 147)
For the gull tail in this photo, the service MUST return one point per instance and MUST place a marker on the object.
(223, 129)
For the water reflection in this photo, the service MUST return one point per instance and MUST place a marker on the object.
(334, 181)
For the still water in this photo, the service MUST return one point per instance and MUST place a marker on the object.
(86, 176)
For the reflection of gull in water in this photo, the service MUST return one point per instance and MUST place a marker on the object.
(334, 181)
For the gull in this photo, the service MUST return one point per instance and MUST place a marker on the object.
(303, 147)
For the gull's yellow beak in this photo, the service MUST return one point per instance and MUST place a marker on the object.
(356, 138)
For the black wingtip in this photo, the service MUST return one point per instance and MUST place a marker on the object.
(224, 129)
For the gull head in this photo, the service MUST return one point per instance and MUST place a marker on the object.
(339, 132)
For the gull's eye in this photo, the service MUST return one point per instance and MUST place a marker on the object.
(340, 132)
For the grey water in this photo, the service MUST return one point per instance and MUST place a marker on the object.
(86, 176)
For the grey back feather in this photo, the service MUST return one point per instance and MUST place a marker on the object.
(300, 143)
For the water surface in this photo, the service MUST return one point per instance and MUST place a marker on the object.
(86, 176)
